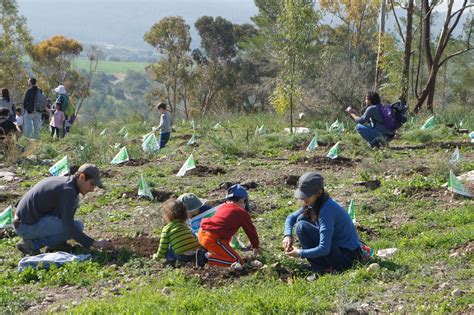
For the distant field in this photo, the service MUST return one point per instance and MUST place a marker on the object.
(112, 67)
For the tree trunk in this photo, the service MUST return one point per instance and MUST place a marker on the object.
(379, 50)
(407, 51)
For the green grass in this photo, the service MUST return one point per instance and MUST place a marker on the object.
(112, 67)
(410, 211)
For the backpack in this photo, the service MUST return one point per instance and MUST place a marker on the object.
(394, 115)
(40, 101)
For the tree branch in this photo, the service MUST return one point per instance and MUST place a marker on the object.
(462, 9)
(398, 23)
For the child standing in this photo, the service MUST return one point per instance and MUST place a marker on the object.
(166, 122)
(217, 231)
(19, 119)
(57, 121)
(177, 242)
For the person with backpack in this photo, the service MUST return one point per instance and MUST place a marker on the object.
(378, 123)
(63, 98)
(34, 103)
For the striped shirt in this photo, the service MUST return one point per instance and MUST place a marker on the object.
(179, 237)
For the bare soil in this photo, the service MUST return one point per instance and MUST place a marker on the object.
(327, 163)
(144, 245)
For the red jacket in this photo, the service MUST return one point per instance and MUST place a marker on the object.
(227, 220)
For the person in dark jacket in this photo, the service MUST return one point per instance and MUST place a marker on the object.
(45, 214)
(31, 118)
(371, 124)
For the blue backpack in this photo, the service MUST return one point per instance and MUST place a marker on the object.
(394, 115)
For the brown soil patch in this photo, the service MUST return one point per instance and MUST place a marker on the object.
(291, 180)
(442, 145)
(159, 194)
(144, 246)
(185, 136)
(325, 162)
(107, 173)
(135, 162)
(202, 170)
(9, 197)
(420, 192)
(467, 249)
(247, 184)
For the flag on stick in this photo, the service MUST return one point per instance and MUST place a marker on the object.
(188, 165)
(429, 123)
(352, 211)
(313, 144)
(333, 152)
(192, 140)
(455, 157)
(60, 168)
(150, 143)
(103, 132)
(455, 185)
(121, 157)
(143, 189)
(6, 218)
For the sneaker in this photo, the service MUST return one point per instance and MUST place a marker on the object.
(201, 258)
(26, 247)
(63, 247)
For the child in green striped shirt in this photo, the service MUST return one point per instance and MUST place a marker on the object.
(177, 242)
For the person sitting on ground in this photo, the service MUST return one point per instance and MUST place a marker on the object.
(19, 119)
(7, 128)
(166, 122)
(57, 121)
(7, 102)
(177, 242)
(324, 229)
(193, 204)
(217, 231)
(45, 214)
(371, 124)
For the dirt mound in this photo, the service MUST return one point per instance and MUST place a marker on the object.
(9, 197)
(107, 173)
(291, 180)
(437, 145)
(303, 145)
(135, 162)
(325, 162)
(185, 136)
(419, 192)
(144, 245)
(159, 195)
(202, 170)
(250, 184)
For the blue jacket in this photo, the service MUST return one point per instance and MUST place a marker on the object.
(334, 224)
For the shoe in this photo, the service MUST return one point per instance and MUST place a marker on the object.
(201, 258)
(312, 277)
(26, 247)
(63, 247)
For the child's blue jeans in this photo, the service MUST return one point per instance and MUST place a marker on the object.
(171, 257)
(164, 138)
(339, 258)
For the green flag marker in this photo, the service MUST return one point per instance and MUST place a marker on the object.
(188, 165)
(6, 218)
(333, 152)
(125, 136)
(150, 143)
(313, 144)
(192, 140)
(260, 130)
(122, 131)
(429, 123)
(121, 157)
(217, 126)
(352, 211)
(103, 132)
(193, 124)
(456, 186)
(143, 189)
(60, 168)
(455, 157)
(340, 128)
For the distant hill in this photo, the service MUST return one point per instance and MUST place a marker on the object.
(122, 22)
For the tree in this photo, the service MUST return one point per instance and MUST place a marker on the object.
(436, 60)
(15, 42)
(296, 33)
(52, 63)
(171, 37)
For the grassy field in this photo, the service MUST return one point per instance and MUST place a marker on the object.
(112, 67)
(432, 229)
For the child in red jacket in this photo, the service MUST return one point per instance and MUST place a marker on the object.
(217, 231)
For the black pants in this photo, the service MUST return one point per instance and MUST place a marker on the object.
(56, 130)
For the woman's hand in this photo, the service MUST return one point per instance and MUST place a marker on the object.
(295, 252)
(287, 243)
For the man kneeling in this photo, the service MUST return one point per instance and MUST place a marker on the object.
(45, 214)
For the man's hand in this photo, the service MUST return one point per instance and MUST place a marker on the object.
(103, 245)
(295, 252)
(287, 243)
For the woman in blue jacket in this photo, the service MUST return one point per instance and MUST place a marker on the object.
(324, 229)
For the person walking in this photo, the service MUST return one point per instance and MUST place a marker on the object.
(31, 116)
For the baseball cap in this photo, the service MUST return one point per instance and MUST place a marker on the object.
(91, 171)
(237, 191)
(309, 184)
(191, 201)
